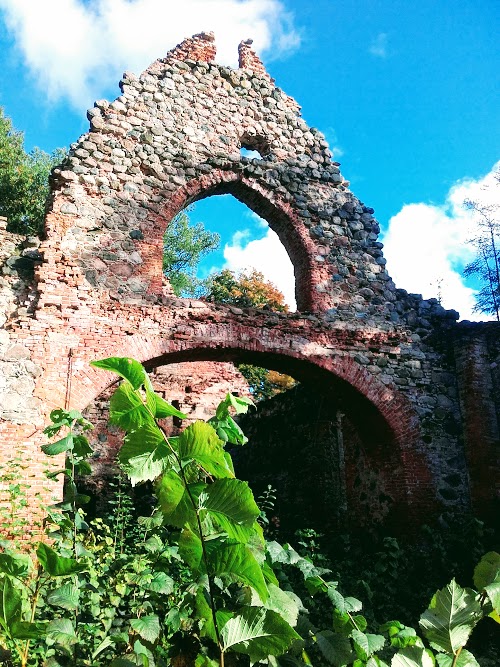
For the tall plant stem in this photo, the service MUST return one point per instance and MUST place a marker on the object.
(36, 593)
(200, 530)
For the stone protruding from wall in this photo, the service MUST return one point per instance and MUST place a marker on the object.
(200, 47)
(248, 59)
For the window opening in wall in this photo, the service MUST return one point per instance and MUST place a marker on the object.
(220, 234)
(254, 146)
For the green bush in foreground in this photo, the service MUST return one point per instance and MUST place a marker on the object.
(196, 583)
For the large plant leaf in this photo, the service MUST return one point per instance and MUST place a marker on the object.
(487, 579)
(176, 500)
(127, 368)
(160, 583)
(191, 550)
(258, 632)
(160, 408)
(199, 442)
(465, 659)
(66, 596)
(366, 645)
(26, 630)
(145, 454)
(127, 409)
(237, 561)
(336, 649)
(232, 507)
(10, 603)
(284, 603)
(413, 656)
(451, 617)
(487, 571)
(147, 627)
(62, 631)
(18, 565)
(55, 565)
(62, 445)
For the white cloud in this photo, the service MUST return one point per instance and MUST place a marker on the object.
(427, 246)
(266, 255)
(378, 47)
(75, 49)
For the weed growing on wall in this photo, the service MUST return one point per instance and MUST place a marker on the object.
(196, 582)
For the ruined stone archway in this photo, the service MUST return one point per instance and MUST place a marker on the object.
(174, 135)
(385, 424)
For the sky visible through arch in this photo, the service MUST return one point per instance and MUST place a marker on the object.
(406, 94)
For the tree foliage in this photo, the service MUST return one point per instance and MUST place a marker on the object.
(486, 265)
(184, 245)
(250, 289)
(246, 289)
(24, 177)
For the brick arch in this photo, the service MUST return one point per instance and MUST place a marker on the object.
(279, 214)
(412, 485)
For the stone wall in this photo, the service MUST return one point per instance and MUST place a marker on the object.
(172, 137)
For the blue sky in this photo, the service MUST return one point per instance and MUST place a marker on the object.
(405, 92)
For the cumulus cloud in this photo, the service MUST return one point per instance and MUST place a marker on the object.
(378, 47)
(427, 246)
(75, 49)
(266, 255)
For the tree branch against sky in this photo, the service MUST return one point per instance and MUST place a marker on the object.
(486, 265)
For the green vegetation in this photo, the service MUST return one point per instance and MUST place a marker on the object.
(184, 245)
(196, 582)
(24, 186)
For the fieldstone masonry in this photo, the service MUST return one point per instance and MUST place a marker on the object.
(406, 374)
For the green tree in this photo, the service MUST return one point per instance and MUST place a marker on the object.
(184, 245)
(24, 186)
(246, 289)
(486, 265)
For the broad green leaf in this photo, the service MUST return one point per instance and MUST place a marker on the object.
(176, 501)
(232, 507)
(451, 617)
(258, 632)
(286, 603)
(18, 565)
(205, 661)
(465, 659)
(10, 603)
(366, 645)
(144, 454)
(160, 583)
(81, 446)
(147, 627)
(240, 403)
(57, 566)
(413, 656)
(199, 442)
(191, 550)
(237, 561)
(400, 636)
(62, 445)
(487, 571)
(162, 409)
(26, 630)
(62, 631)
(487, 578)
(66, 596)
(204, 611)
(127, 368)
(127, 409)
(315, 585)
(336, 649)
